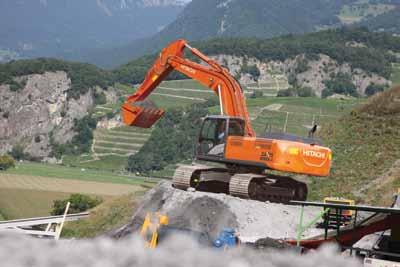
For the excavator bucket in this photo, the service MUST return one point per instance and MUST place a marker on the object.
(140, 116)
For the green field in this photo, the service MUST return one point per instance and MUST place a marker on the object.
(170, 94)
(63, 172)
(21, 203)
(297, 115)
(30, 189)
(300, 112)
(395, 77)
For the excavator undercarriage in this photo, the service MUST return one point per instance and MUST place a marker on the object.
(256, 186)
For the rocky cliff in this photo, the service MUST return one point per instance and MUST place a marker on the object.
(312, 74)
(28, 117)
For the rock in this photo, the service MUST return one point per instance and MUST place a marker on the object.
(318, 71)
(29, 115)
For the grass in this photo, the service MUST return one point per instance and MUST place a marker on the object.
(395, 77)
(67, 186)
(302, 111)
(24, 203)
(184, 84)
(165, 102)
(299, 112)
(110, 163)
(64, 172)
(109, 215)
(364, 147)
(24, 196)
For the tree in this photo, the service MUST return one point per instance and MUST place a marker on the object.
(84, 127)
(256, 94)
(99, 98)
(6, 162)
(172, 139)
(17, 152)
(326, 92)
(79, 203)
(341, 84)
(252, 70)
(373, 89)
(305, 92)
(286, 92)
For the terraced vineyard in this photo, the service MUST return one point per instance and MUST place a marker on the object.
(268, 88)
(121, 141)
(111, 148)
(295, 115)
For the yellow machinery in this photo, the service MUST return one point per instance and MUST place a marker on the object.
(345, 216)
(151, 224)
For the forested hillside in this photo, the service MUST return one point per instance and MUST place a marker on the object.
(357, 47)
(348, 55)
(205, 19)
(388, 22)
(83, 76)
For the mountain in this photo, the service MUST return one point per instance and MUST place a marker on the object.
(309, 60)
(45, 106)
(203, 19)
(67, 28)
(388, 22)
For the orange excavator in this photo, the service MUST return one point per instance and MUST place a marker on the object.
(229, 138)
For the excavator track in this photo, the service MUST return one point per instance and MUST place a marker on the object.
(239, 185)
(202, 178)
(183, 175)
(273, 188)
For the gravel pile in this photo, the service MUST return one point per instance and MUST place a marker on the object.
(210, 213)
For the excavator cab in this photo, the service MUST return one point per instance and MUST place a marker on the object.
(213, 135)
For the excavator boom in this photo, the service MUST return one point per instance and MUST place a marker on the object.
(211, 75)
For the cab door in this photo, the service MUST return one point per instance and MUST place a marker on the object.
(213, 136)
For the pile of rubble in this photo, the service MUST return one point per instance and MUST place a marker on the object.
(210, 213)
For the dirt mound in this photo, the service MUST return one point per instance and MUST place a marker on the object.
(385, 103)
(210, 213)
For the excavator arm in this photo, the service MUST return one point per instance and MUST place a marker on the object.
(210, 74)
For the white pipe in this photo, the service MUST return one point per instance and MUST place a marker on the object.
(220, 100)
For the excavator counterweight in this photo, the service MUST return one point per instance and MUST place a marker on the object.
(229, 139)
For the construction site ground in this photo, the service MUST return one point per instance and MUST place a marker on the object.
(210, 213)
